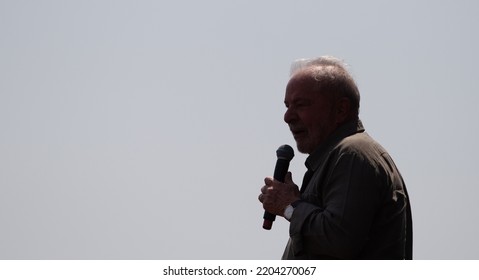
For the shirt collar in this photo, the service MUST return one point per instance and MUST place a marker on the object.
(345, 130)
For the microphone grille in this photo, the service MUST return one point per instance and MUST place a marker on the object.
(285, 152)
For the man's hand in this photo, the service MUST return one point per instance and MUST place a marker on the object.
(275, 195)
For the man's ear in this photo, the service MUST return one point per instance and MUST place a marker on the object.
(343, 110)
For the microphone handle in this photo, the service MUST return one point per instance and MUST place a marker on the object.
(280, 170)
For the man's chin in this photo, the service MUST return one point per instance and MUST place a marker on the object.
(302, 148)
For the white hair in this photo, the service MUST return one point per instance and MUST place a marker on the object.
(304, 63)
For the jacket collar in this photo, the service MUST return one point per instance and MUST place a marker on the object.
(352, 127)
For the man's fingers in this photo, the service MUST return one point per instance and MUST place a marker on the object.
(264, 189)
(268, 181)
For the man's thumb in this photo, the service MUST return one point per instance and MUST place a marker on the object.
(288, 179)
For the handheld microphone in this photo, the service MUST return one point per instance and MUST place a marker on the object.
(284, 153)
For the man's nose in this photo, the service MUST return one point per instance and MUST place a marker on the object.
(289, 115)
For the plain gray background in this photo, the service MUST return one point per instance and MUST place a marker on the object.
(144, 129)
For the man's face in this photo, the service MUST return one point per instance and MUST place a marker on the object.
(309, 113)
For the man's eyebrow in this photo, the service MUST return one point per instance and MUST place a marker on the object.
(297, 100)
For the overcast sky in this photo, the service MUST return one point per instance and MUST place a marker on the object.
(144, 129)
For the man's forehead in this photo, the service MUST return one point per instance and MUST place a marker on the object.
(301, 81)
(299, 92)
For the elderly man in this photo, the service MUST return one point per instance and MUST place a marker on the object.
(353, 202)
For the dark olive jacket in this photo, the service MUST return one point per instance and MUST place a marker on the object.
(355, 206)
